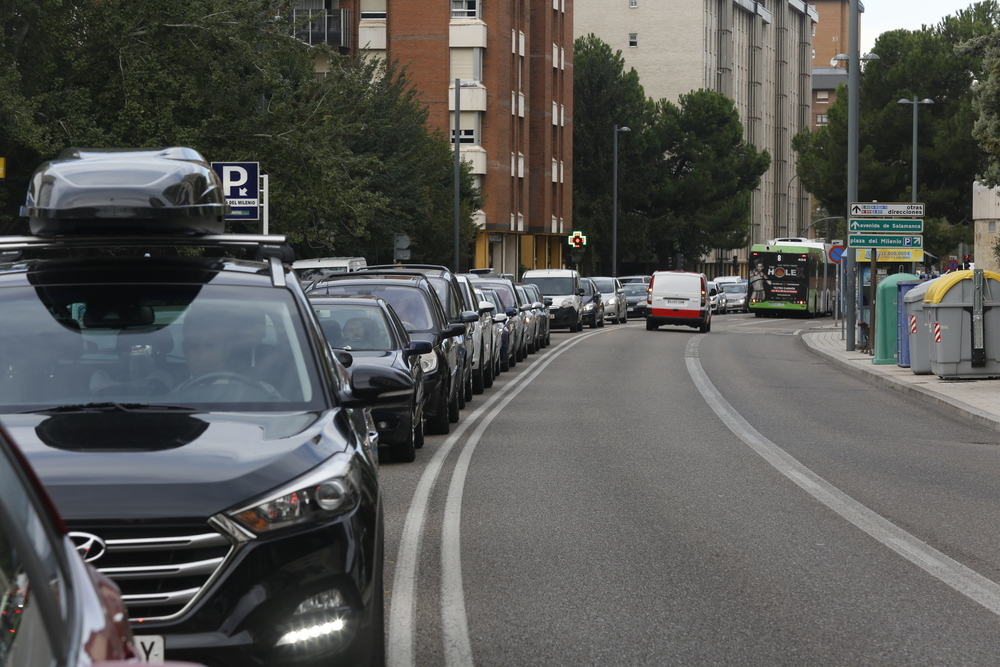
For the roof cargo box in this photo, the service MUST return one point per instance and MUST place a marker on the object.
(123, 191)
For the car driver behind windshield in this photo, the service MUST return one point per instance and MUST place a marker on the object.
(218, 352)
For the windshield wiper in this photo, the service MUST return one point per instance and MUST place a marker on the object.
(111, 406)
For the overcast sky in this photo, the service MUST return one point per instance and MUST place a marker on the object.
(884, 15)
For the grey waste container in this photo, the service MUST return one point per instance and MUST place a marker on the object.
(903, 323)
(948, 306)
(918, 339)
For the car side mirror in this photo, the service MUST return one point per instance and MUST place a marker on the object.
(378, 384)
(419, 347)
(547, 300)
(538, 305)
(343, 356)
(468, 316)
(486, 307)
(525, 308)
(456, 329)
(579, 291)
(511, 312)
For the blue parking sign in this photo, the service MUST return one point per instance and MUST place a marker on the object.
(241, 188)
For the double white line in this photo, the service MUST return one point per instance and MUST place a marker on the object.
(402, 616)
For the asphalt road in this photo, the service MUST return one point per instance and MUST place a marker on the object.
(628, 497)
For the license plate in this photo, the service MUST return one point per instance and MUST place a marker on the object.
(677, 301)
(149, 648)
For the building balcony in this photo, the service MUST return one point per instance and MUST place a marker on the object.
(319, 26)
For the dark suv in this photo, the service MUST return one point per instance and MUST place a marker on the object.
(416, 304)
(449, 291)
(198, 435)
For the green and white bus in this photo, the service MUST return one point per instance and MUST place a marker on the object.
(791, 276)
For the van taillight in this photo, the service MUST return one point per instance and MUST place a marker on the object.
(703, 294)
(649, 291)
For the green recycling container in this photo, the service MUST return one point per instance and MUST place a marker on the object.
(887, 318)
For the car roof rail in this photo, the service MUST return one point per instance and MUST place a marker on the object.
(403, 267)
(272, 248)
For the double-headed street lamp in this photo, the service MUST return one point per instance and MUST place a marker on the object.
(614, 202)
(915, 104)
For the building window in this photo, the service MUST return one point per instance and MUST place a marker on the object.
(372, 10)
(633, 39)
(822, 97)
(633, 4)
(465, 9)
(822, 119)
(992, 226)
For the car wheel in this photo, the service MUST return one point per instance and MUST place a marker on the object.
(488, 375)
(460, 394)
(706, 326)
(454, 409)
(479, 378)
(406, 451)
(601, 323)
(518, 354)
(504, 363)
(469, 389)
(650, 326)
(438, 424)
(418, 435)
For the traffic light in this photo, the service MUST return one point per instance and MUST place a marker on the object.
(967, 262)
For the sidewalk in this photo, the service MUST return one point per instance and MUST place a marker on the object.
(977, 400)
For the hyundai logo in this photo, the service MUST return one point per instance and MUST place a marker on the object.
(90, 547)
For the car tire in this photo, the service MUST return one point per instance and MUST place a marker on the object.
(504, 363)
(418, 436)
(624, 318)
(469, 388)
(438, 424)
(454, 409)
(488, 375)
(406, 451)
(600, 324)
(460, 394)
(651, 326)
(479, 378)
(706, 326)
(518, 354)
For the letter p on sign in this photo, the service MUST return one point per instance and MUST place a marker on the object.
(233, 177)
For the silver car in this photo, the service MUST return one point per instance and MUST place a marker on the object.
(503, 332)
(736, 297)
(613, 295)
(541, 305)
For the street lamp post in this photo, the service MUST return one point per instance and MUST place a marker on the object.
(853, 59)
(915, 104)
(614, 202)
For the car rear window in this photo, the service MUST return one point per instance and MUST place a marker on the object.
(551, 286)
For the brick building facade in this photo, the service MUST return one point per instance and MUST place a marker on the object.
(515, 66)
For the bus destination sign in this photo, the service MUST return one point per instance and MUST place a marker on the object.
(874, 209)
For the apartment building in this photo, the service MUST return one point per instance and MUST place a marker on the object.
(756, 52)
(830, 39)
(514, 65)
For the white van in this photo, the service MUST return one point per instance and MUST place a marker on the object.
(318, 268)
(566, 291)
(679, 298)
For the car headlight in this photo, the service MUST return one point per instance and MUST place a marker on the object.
(589, 306)
(568, 303)
(429, 362)
(612, 301)
(322, 494)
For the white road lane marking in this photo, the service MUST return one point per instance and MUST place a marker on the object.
(961, 578)
(401, 649)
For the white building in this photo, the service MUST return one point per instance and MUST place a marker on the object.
(756, 52)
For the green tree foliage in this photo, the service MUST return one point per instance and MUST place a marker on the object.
(928, 64)
(685, 173)
(227, 79)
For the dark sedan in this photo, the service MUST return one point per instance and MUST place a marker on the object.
(635, 295)
(368, 328)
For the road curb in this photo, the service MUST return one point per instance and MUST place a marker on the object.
(971, 413)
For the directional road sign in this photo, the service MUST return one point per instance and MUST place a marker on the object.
(884, 241)
(892, 209)
(883, 225)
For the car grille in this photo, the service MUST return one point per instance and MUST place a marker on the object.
(161, 570)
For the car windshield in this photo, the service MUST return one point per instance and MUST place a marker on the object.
(552, 286)
(219, 348)
(735, 288)
(411, 304)
(354, 327)
(635, 289)
(605, 285)
(506, 294)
